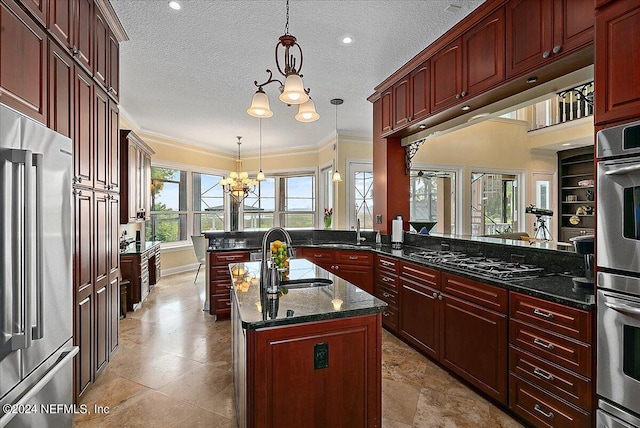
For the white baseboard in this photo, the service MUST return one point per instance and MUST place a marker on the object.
(180, 269)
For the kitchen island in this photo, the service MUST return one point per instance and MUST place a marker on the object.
(310, 356)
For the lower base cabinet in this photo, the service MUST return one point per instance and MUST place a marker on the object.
(142, 270)
(220, 281)
(277, 385)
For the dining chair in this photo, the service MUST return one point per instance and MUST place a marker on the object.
(200, 249)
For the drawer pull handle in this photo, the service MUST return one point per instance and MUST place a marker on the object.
(353, 257)
(542, 374)
(385, 279)
(542, 412)
(385, 313)
(543, 314)
(228, 303)
(385, 294)
(386, 263)
(317, 256)
(543, 344)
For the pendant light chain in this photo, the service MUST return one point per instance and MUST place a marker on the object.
(286, 26)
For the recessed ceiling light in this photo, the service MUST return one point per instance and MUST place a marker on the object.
(465, 108)
(566, 144)
(347, 40)
(532, 79)
(174, 5)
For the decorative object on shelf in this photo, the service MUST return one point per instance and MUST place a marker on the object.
(589, 194)
(336, 175)
(572, 198)
(292, 91)
(585, 183)
(328, 216)
(582, 210)
(238, 185)
(574, 220)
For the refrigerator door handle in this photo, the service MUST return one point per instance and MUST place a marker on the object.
(38, 330)
(23, 340)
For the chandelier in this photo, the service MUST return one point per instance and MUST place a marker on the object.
(238, 185)
(289, 59)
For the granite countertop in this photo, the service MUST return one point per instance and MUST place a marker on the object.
(137, 249)
(554, 287)
(258, 309)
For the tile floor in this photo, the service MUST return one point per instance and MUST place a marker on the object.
(173, 369)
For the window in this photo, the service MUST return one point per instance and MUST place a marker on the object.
(297, 201)
(326, 188)
(259, 207)
(432, 198)
(363, 186)
(208, 203)
(494, 203)
(168, 205)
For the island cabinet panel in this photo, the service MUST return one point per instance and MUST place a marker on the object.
(23, 62)
(286, 389)
(551, 362)
(353, 266)
(617, 92)
(220, 281)
(474, 345)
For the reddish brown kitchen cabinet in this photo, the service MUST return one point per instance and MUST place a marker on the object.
(100, 48)
(420, 311)
(220, 281)
(71, 23)
(401, 97)
(113, 148)
(410, 98)
(474, 334)
(101, 140)
(617, 91)
(61, 83)
(539, 31)
(386, 289)
(551, 367)
(37, 8)
(113, 71)
(23, 62)
(136, 266)
(61, 20)
(83, 147)
(135, 178)
(353, 266)
(446, 76)
(386, 100)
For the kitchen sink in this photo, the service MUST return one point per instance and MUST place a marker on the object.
(345, 246)
(292, 284)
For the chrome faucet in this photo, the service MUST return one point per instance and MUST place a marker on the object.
(359, 238)
(269, 277)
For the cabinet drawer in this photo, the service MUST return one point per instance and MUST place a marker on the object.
(386, 264)
(224, 258)
(568, 385)
(220, 287)
(388, 295)
(420, 274)
(566, 352)
(316, 255)
(489, 296)
(387, 280)
(552, 316)
(354, 257)
(220, 273)
(221, 307)
(542, 409)
(390, 318)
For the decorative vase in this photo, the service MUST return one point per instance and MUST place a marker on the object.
(327, 222)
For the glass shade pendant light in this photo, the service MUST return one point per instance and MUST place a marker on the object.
(260, 176)
(289, 60)
(238, 185)
(260, 105)
(307, 112)
(336, 178)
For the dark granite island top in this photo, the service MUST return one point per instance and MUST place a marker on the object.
(340, 299)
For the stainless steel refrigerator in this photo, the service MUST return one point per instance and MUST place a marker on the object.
(36, 288)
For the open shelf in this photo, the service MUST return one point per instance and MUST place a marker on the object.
(573, 166)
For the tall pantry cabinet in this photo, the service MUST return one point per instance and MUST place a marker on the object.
(59, 64)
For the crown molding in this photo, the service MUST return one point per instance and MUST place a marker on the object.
(112, 19)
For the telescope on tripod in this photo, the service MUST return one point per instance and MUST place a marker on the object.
(540, 226)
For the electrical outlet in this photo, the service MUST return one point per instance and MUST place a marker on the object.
(320, 356)
(379, 219)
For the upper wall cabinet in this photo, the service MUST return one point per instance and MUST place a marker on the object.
(617, 93)
(71, 22)
(408, 100)
(539, 31)
(38, 9)
(135, 178)
(23, 63)
(471, 64)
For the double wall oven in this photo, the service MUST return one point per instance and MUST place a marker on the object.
(618, 280)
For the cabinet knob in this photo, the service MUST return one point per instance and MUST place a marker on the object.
(435, 295)
(77, 192)
(439, 296)
(110, 90)
(463, 94)
(546, 54)
(556, 49)
(386, 314)
(458, 96)
(75, 51)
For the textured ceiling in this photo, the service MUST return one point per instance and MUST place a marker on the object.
(189, 74)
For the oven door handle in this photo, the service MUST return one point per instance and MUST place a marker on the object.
(623, 170)
(626, 309)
